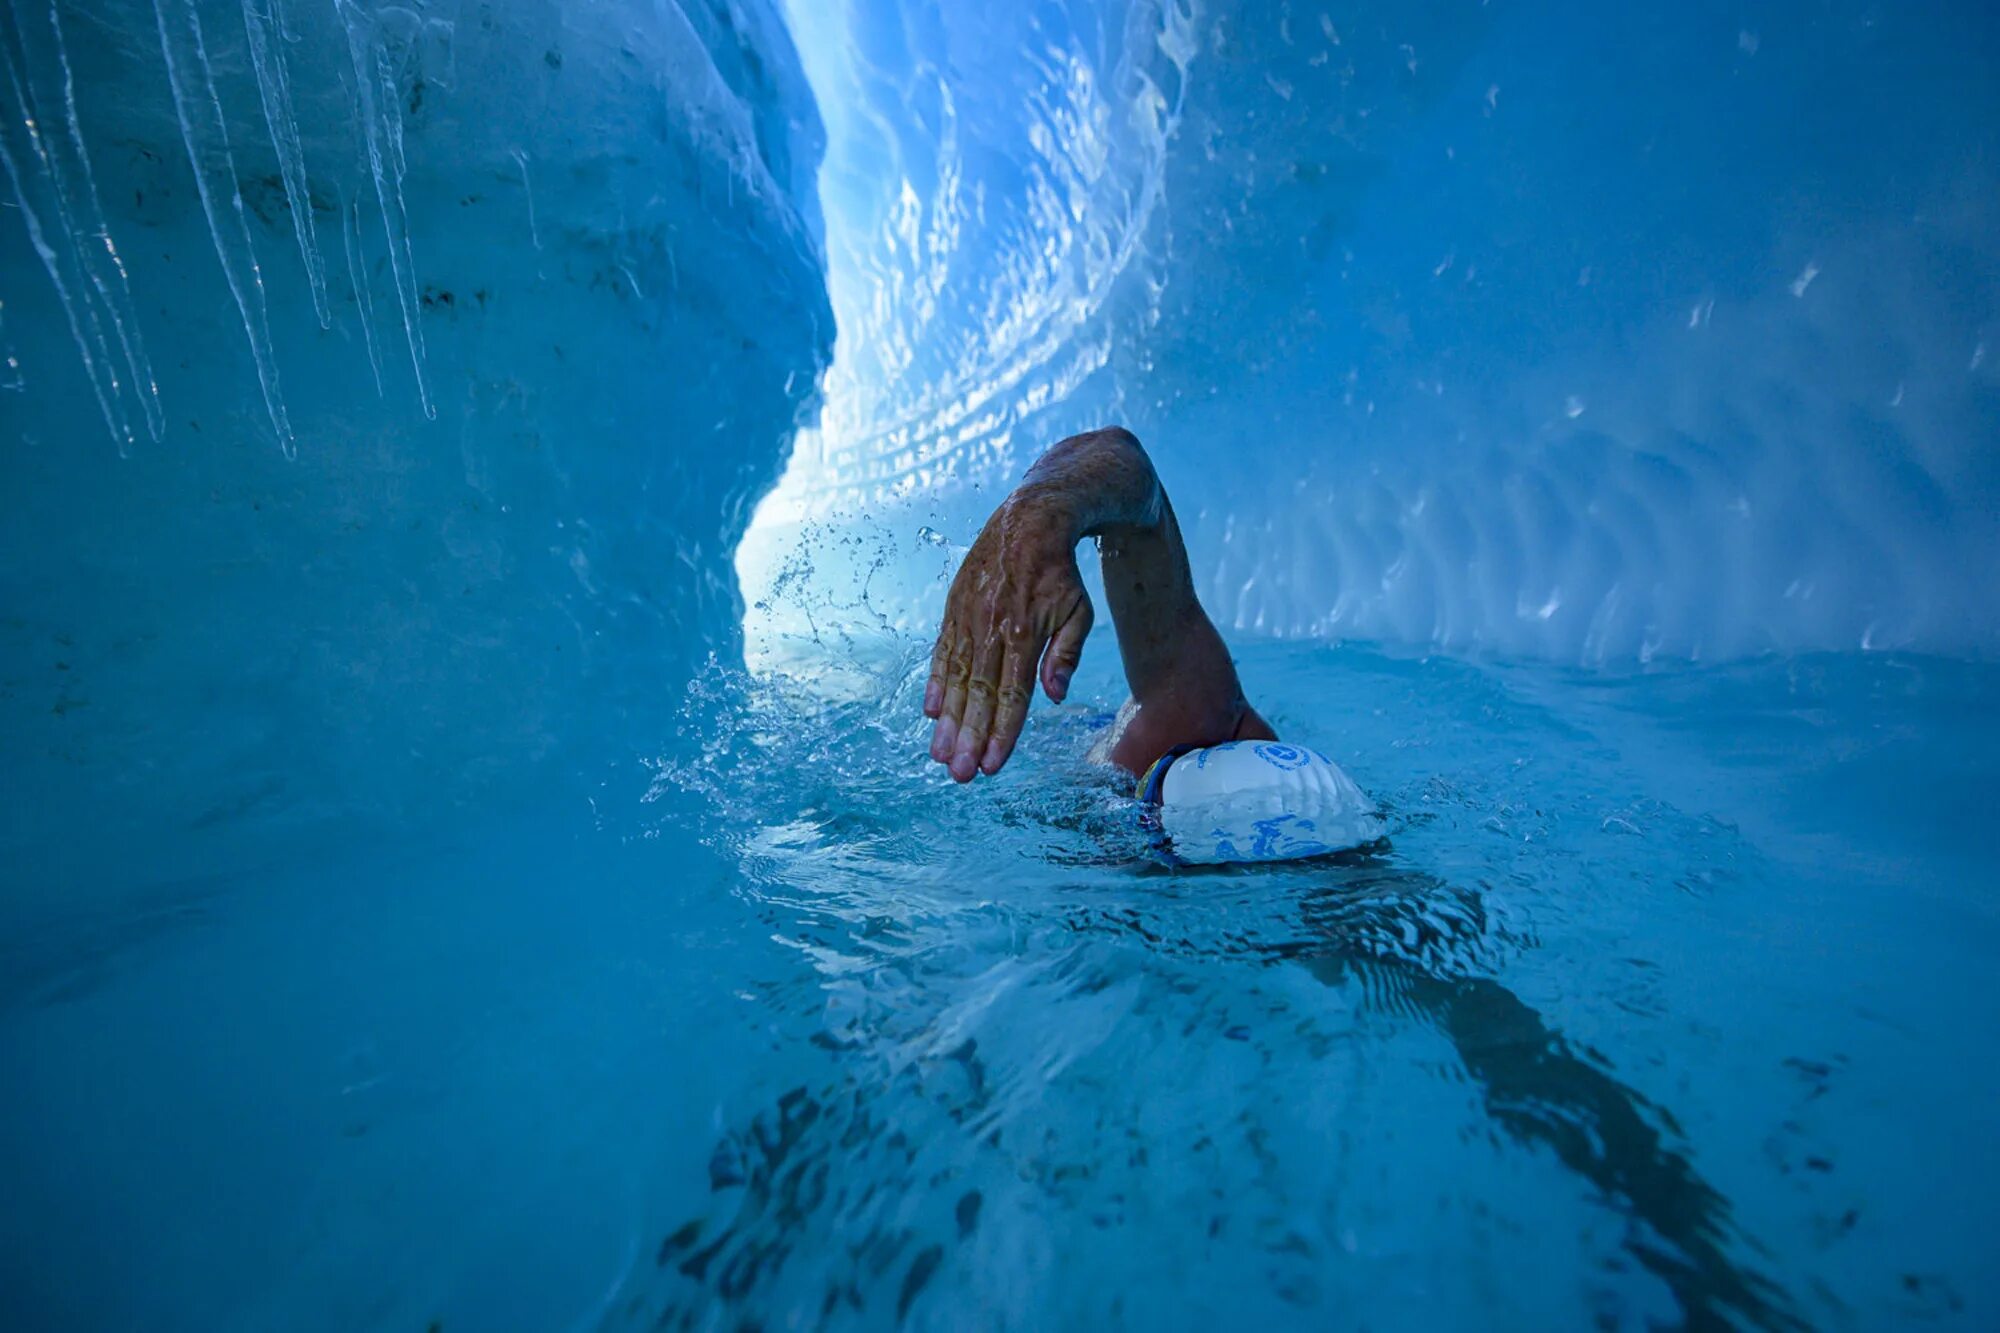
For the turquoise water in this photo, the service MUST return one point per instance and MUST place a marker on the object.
(418, 417)
(1666, 1003)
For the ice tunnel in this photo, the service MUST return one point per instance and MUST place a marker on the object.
(480, 478)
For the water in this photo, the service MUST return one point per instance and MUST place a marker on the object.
(1631, 1023)
(467, 858)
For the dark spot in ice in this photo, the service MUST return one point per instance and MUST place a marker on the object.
(416, 96)
(552, 58)
(681, 1241)
(1934, 1292)
(968, 1213)
(434, 297)
(726, 1166)
(920, 1272)
(696, 1266)
(1818, 1164)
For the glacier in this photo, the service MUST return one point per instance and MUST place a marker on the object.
(437, 356)
(1553, 332)
(416, 415)
(1712, 384)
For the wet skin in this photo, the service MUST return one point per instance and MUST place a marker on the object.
(1017, 609)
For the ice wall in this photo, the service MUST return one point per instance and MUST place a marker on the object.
(386, 387)
(1593, 332)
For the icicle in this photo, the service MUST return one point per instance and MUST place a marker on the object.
(534, 232)
(378, 104)
(207, 138)
(357, 278)
(115, 291)
(57, 195)
(267, 55)
(63, 268)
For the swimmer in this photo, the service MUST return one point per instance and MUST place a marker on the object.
(1018, 601)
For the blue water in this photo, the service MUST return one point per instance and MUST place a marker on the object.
(476, 485)
(1666, 1003)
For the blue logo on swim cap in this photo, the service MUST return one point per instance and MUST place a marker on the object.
(1282, 756)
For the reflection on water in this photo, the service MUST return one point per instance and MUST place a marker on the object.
(1543, 1092)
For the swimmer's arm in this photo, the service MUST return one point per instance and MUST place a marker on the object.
(1019, 598)
(1176, 664)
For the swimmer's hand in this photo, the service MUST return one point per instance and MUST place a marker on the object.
(1016, 601)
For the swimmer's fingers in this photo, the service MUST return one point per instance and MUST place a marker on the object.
(1017, 690)
(934, 687)
(1066, 648)
(952, 679)
(977, 722)
(941, 673)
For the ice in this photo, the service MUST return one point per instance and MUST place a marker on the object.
(1397, 395)
(329, 766)
(205, 131)
(357, 283)
(375, 41)
(261, 21)
(1361, 354)
(498, 544)
(10, 362)
(528, 193)
(1391, 283)
(43, 152)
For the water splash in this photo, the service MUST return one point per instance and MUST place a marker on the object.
(819, 777)
(262, 22)
(205, 131)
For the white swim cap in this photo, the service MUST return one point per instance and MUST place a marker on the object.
(1257, 801)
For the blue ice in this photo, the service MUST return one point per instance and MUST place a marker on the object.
(478, 479)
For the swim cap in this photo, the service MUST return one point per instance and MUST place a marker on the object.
(1256, 801)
